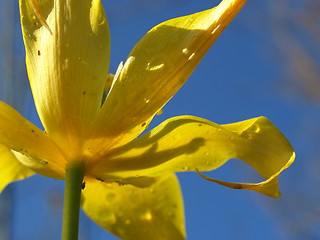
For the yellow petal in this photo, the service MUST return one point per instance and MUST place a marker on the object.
(11, 169)
(19, 135)
(37, 11)
(268, 187)
(189, 143)
(67, 68)
(156, 68)
(155, 212)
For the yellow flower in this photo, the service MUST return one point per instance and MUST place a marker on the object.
(131, 188)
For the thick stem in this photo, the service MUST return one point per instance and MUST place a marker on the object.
(71, 205)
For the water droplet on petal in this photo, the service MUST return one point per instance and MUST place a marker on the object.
(214, 30)
(185, 51)
(255, 128)
(144, 213)
(146, 100)
(191, 56)
(102, 22)
(155, 64)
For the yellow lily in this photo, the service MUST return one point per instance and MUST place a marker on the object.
(130, 185)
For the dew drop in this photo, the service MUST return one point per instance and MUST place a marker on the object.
(102, 22)
(144, 213)
(191, 56)
(255, 128)
(185, 51)
(214, 30)
(146, 100)
(155, 64)
(148, 215)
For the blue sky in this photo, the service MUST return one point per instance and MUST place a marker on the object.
(236, 80)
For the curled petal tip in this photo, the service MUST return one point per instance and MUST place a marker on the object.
(268, 187)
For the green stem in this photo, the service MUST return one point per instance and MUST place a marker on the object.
(71, 205)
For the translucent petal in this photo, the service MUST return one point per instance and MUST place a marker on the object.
(11, 169)
(19, 135)
(155, 70)
(67, 67)
(268, 187)
(189, 143)
(154, 212)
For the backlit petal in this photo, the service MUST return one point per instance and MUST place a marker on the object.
(268, 187)
(189, 143)
(155, 70)
(10, 168)
(67, 68)
(154, 212)
(19, 135)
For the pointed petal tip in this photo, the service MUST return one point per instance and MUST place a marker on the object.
(157, 67)
(11, 170)
(268, 187)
